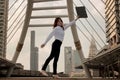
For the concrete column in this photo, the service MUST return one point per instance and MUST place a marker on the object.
(75, 36)
(23, 34)
(24, 30)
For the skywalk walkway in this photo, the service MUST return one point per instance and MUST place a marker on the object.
(50, 78)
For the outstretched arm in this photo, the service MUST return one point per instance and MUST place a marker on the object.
(48, 38)
(71, 23)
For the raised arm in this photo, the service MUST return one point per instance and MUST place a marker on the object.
(71, 23)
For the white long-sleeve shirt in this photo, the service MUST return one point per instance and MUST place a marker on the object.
(58, 32)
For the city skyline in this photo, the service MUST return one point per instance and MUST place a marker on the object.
(41, 35)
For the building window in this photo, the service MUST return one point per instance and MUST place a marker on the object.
(1, 13)
(111, 42)
(114, 38)
(1, 9)
(1, 24)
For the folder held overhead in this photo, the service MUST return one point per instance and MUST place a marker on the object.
(81, 12)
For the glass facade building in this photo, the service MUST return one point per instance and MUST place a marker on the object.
(3, 26)
(112, 12)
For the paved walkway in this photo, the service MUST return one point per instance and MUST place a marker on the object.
(50, 78)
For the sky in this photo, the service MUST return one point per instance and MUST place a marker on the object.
(41, 33)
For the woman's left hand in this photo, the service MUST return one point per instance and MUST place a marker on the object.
(77, 18)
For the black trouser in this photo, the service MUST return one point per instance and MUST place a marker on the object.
(54, 54)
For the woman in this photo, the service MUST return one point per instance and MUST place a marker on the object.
(58, 33)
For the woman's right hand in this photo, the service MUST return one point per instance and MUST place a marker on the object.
(43, 45)
(77, 18)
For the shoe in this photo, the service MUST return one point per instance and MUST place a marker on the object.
(43, 73)
(56, 76)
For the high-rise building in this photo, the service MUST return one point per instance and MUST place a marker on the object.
(72, 62)
(93, 48)
(112, 12)
(48, 68)
(33, 53)
(92, 53)
(68, 60)
(3, 26)
(76, 62)
(76, 58)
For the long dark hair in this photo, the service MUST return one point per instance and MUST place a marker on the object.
(55, 22)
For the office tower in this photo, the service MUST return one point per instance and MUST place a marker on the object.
(68, 60)
(92, 53)
(48, 69)
(92, 49)
(35, 59)
(3, 26)
(73, 62)
(76, 59)
(112, 13)
(33, 53)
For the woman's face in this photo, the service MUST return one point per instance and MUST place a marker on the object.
(59, 23)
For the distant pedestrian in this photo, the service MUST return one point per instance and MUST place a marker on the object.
(58, 33)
